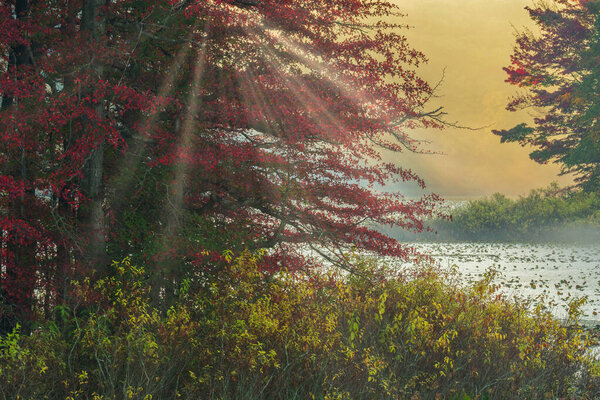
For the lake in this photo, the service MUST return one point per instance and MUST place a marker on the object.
(558, 272)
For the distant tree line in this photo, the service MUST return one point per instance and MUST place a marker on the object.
(548, 214)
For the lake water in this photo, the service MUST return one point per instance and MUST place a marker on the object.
(558, 272)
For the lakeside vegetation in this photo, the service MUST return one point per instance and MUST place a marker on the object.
(545, 215)
(298, 336)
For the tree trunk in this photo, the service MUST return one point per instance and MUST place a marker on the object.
(17, 294)
(93, 24)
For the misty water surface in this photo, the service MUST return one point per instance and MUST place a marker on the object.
(559, 273)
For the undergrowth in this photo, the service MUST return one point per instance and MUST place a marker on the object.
(248, 334)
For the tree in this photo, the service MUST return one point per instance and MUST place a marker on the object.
(558, 68)
(177, 130)
(17, 241)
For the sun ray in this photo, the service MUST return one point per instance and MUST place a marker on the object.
(184, 146)
(306, 98)
(306, 56)
(131, 160)
(351, 91)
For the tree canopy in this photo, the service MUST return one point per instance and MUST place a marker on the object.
(172, 131)
(557, 67)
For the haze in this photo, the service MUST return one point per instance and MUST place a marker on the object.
(472, 40)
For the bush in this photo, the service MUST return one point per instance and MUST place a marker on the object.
(249, 334)
(548, 214)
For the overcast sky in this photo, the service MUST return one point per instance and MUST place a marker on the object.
(473, 40)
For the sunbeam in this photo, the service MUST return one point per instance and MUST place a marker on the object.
(308, 100)
(351, 91)
(133, 156)
(184, 147)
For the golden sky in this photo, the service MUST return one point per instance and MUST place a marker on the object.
(472, 40)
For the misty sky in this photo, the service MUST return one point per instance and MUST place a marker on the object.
(473, 40)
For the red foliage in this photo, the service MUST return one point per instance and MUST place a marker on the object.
(265, 114)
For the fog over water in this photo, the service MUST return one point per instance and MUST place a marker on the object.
(554, 273)
(468, 43)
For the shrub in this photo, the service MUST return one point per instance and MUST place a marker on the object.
(250, 334)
